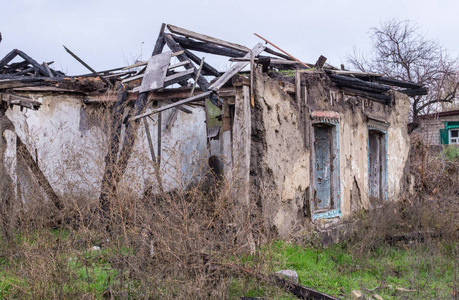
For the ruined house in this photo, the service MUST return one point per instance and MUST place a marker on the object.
(305, 143)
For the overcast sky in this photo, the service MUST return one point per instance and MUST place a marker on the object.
(112, 33)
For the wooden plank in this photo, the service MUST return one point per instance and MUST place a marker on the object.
(178, 75)
(132, 78)
(160, 131)
(23, 152)
(178, 103)
(235, 68)
(206, 38)
(155, 73)
(180, 64)
(150, 143)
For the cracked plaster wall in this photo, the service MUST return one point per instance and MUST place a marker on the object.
(70, 139)
(280, 163)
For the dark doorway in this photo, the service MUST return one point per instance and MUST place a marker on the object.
(377, 165)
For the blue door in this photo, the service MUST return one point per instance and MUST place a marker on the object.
(322, 165)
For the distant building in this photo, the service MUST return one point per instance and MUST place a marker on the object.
(439, 128)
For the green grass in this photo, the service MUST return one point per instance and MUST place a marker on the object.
(451, 153)
(336, 271)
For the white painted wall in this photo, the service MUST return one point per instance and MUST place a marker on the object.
(73, 160)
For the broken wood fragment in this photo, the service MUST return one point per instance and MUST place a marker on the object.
(177, 76)
(320, 62)
(155, 73)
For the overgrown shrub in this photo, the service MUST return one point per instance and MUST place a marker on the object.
(451, 153)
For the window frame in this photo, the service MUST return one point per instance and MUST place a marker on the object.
(450, 136)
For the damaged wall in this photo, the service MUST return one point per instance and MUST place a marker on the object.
(68, 139)
(281, 168)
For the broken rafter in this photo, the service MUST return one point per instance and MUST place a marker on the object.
(31, 61)
(86, 65)
(202, 82)
(9, 57)
(208, 47)
(206, 38)
(383, 99)
(358, 84)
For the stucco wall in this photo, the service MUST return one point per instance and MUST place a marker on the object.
(281, 173)
(70, 140)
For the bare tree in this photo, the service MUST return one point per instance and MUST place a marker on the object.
(401, 51)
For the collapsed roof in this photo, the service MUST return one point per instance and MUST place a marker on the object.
(159, 74)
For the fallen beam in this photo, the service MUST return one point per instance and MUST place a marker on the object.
(300, 291)
(36, 171)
